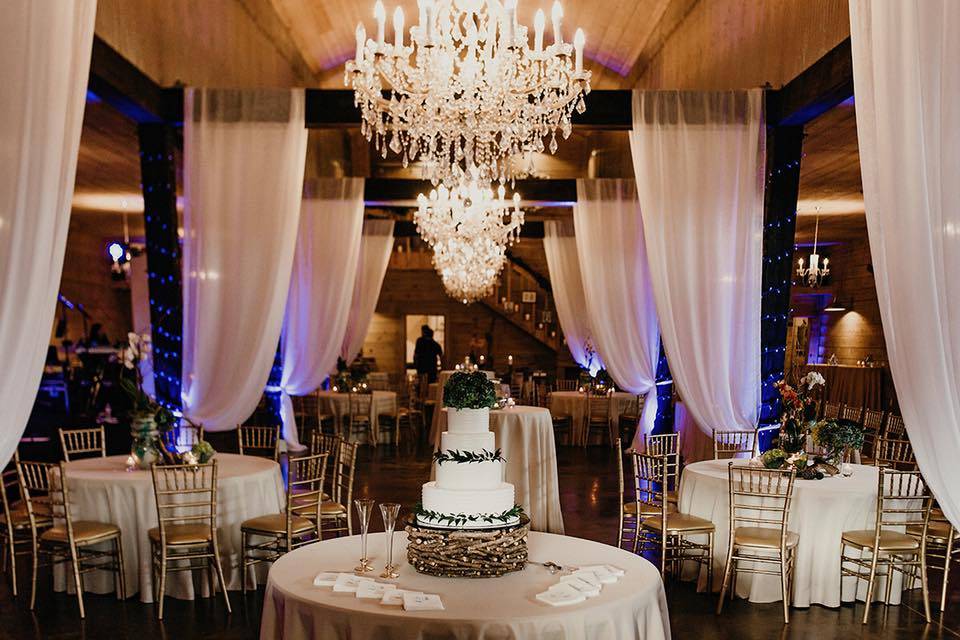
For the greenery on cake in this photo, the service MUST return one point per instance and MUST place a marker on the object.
(469, 390)
(461, 457)
(460, 519)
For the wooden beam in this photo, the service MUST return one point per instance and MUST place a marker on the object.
(539, 278)
(822, 86)
(123, 86)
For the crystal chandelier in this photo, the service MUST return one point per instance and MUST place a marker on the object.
(468, 267)
(816, 272)
(468, 91)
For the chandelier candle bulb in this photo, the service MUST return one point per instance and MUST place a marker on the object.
(556, 14)
(398, 29)
(422, 7)
(510, 24)
(539, 22)
(381, 15)
(361, 41)
(578, 41)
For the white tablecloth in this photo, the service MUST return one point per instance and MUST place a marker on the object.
(102, 489)
(505, 607)
(338, 405)
(525, 438)
(574, 404)
(820, 512)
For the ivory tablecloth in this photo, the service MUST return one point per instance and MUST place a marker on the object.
(338, 405)
(525, 438)
(505, 607)
(820, 512)
(102, 489)
(574, 404)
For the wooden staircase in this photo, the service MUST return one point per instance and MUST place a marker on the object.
(537, 316)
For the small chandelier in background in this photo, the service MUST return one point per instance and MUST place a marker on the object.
(469, 267)
(468, 91)
(816, 272)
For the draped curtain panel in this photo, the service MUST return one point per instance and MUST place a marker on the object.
(560, 245)
(617, 288)
(321, 288)
(244, 155)
(45, 48)
(699, 162)
(376, 245)
(907, 88)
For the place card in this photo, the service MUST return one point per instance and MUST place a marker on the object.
(617, 571)
(374, 590)
(561, 595)
(587, 589)
(587, 576)
(348, 583)
(422, 602)
(326, 579)
(394, 597)
(602, 573)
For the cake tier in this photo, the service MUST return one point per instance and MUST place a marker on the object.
(471, 502)
(470, 476)
(468, 420)
(468, 441)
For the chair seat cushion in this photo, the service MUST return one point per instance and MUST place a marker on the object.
(646, 509)
(889, 540)
(84, 531)
(277, 523)
(937, 532)
(680, 523)
(183, 534)
(764, 537)
(331, 508)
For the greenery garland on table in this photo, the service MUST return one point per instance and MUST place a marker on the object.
(459, 519)
(461, 457)
(469, 390)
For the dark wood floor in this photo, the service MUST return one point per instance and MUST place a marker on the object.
(588, 485)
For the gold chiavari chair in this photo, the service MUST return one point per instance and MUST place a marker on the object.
(759, 515)
(297, 526)
(182, 438)
(358, 417)
(15, 524)
(663, 529)
(943, 548)
(597, 417)
(852, 413)
(872, 428)
(831, 410)
(629, 523)
(903, 500)
(896, 454)
(666, 444)
(330, 445)
(730, 444)
(259, 441)
(45, 490)
(895, 428)
(308, 416)
(337, 511)
(407, 418)
(186, 499)
(628, 420)
(563, 425)
(83, 443)
(565, 385)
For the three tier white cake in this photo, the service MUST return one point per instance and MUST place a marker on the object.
(469, 492)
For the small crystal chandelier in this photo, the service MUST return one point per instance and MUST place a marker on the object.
(816, 272)
(468, 91)
(469, 267)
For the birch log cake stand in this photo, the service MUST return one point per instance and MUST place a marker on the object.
(467, 553)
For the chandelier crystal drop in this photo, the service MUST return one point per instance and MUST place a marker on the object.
(468, 90)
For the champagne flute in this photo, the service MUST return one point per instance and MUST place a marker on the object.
(389, 512)
(364, 508)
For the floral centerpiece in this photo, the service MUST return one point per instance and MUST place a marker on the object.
(348, 380)
(469, 391)
(148, 418)
(597, 383)
(799, 411)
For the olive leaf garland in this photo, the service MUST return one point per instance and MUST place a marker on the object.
(459, 519)
(461, 457)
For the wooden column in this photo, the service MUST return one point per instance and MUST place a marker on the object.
(159, 183)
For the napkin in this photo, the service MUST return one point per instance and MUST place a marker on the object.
(374, 590)
(587, 576)
(325, 579)
(587, 589)
(395, 596)
(348, 583)
(617, 571)
(561, 595)
(422, 602)
(602, 574)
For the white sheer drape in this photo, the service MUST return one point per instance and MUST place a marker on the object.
(907, 84)
(244, 154)
(376, 246)
(699, 162)
(321, 288)
(617, 289)
(560, 245)
(45, 49)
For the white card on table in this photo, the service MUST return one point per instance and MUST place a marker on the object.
(603, 575)
(617, 571)
(587, 576)
(587, 589)
(395, 596)
(374, 590)
(348, 583)
(326, 579)
(561, 595)
(422, 602)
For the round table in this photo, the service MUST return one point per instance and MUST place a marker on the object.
(102, 489)
(574, 404)
(338, 405)
(505, 607)
(821, 510)
(524, 436)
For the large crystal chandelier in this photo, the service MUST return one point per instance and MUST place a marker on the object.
(468, 91)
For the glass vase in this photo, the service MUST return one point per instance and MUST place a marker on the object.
(145, 448)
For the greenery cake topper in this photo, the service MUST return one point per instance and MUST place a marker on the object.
(460, 457)
(469, 390)
(459, 519)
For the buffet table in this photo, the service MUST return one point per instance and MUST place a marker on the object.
(338, 405)
(574, 404)
(635, 607)
(102, 489)
(857, 386)
(820, 512)
(525, 437)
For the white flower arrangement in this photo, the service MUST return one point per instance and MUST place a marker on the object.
(812, 379)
